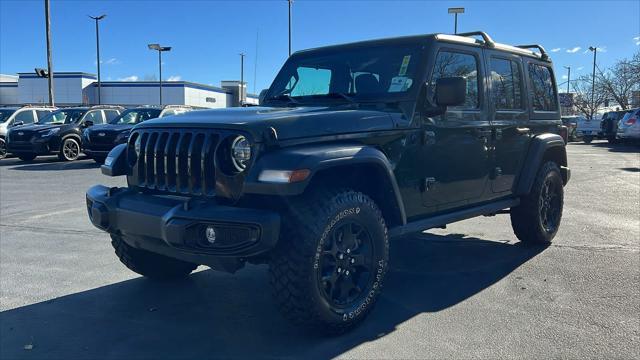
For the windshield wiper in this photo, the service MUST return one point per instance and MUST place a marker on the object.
(284, 97)
(340, 95)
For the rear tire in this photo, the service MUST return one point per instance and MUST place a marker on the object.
(537, 218)
(330, 263)
(587, 139)
(27, 157)
(150, 265)
(69, 150)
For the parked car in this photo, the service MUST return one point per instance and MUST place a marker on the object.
(98, 140)
(609, 125)
(59, 133)
(629, 126)
(571, 122)
(352, 145)
(589, 129)
(11, 116)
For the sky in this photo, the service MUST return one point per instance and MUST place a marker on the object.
(207, 36)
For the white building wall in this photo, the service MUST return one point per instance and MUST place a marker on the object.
(138, 93)
(206, 98)
(67, 89)
(8, 93)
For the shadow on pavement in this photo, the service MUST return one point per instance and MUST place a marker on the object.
(219, 315)
(48, 164)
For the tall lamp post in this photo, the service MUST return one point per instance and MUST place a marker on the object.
(241, 78)
(98, 18)
(593, 79)
(160, 50)
(568, 77)
(455, 11)
(290, 3)
(49, 61)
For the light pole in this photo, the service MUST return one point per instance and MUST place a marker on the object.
(241, 78)
(49, 62)
(455, 12)
(568, 77)
(593, 78)
(98, 18)
(290, 3)
(160, 50)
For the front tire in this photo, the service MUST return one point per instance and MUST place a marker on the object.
(99, 159)
(537, 218)
(27, 156)
(3, 148)
(330, 263)
(69, 150)
(148, 264)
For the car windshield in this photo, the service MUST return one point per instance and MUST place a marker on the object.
(359, 73)
(64, 116)
(134, 116)
(5, 114)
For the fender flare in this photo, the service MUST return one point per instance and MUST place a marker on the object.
(539, 146)
(318, 158)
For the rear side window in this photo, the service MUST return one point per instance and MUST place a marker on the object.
(543, 92)
(25, 116)
(111, 114)
(452, 64)
(506, 84)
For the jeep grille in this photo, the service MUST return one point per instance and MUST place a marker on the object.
(173, 160)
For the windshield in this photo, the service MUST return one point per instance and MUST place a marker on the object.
(134, 116)
(65, 116)
(5, 114)
(358, 73)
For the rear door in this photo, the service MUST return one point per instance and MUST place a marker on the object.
(509, 117)
(456, 157)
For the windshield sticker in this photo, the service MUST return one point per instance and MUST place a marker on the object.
(400, 84)
(404, 66)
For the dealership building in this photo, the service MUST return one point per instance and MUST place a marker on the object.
(79, 88)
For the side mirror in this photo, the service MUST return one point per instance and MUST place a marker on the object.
(17, 123)
(451, 91)
(263, 93)
(88, 123)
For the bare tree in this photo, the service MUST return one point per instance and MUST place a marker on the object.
(619, 81)
(582, 97)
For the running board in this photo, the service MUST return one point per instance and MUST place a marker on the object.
(444, 219)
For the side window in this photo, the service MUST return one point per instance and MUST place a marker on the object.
(26, 116)
(451, 64)
(95, 116)
(312, 82)
(543, 92)
(42, 113)
(506, 84)
(111, 114)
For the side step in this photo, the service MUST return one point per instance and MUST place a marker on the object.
(444, 219)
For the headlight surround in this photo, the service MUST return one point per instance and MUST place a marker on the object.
(240, 153)
(49, 132)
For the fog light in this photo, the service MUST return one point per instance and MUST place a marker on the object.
(210, 233)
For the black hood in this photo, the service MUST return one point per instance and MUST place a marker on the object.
(289, 123)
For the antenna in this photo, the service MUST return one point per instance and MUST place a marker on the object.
(255, 62)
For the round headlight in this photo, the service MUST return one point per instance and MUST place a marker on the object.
(240, 152)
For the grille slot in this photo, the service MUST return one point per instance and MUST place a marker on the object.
(174, 161)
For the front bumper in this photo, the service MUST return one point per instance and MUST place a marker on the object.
(40, 146)
(629, 133)
(175, 227)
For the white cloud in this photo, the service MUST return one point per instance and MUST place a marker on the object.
(110, 61)
(574, 50)
(129, 78)
(637, 40)
(556, 49)
(174, 78)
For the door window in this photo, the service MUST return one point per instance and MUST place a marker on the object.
(25, 116)
(95, 116)
(452, 64)
(111, 114)
(543, 91)
(506, 84)
(42, 113)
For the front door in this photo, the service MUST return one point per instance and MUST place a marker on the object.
(456, 156)
(509, 117)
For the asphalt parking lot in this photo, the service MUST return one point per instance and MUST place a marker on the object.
(470, 291)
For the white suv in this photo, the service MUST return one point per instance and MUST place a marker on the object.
(629, 126)
(11, 116)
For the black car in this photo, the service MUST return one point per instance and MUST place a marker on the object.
(98, 140)
(353, 145)
(60, 132)
(609, 124)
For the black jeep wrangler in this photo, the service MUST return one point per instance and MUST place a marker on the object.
(353, 145)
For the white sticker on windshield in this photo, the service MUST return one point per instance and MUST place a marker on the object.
(400, 84)
(404, 66)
